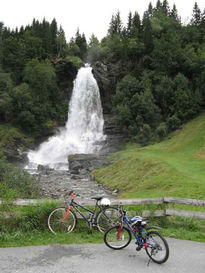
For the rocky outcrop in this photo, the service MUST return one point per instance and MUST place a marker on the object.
(106, 78)
(16, 150)
(66, 73)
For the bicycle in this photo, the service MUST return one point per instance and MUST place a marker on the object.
(64, 219)
(119, 236)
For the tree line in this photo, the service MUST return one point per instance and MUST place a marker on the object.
(158, 68)
(32, 89)
(156, 62)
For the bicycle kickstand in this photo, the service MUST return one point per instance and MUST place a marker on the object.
(90, 228)
(148, 261)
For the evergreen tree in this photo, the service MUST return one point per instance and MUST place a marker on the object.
(81, 42)
(1, 42)
(129, 25)
(54, 33)
(115, 25)
(61, 44)
(158, 5)
(196, 17)
(148, 39)
(165, 7)
(136, 26)
(174, 13)
(150, 10)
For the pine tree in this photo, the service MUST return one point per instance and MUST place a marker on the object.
(136, 26)
(1, 42)
(165, 7)
(148, 39)
(115, 25)
(81, 42)
(174, 13)
(54, 32)
(196, 16)
(158, 5)
(129, 24)
(150, 10)
(60, 42)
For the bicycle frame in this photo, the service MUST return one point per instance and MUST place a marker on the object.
(138, 238)
(75, 205)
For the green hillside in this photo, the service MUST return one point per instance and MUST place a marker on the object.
(173, 167)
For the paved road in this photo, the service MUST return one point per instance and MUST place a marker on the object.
(185, 257)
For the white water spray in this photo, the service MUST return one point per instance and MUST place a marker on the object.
(84, 128)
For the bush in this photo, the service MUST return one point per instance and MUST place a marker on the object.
(161, 130)
(173, 123)
(24, 219)
(76, 61)
(18, 180)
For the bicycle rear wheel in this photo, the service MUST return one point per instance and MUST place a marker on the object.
(158, 249)
(107, 218)
(55, 223)
(117, 238)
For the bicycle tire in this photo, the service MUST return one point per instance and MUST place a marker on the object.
(157, 245)
(55, 224)
(107, 218)
(115, 240)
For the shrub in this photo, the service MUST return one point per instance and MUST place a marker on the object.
(161, 130)
(18, 180)
(173, 123)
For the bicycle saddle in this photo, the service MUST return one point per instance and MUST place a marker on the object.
(97, 197)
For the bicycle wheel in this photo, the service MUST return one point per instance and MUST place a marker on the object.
(57, 226)
(158, 249)
(117, 238)
(107, 218)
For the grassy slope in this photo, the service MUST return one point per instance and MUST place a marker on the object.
(174, 167)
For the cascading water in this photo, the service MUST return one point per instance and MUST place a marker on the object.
(83, 132)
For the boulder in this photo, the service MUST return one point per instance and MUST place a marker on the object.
(85, 163)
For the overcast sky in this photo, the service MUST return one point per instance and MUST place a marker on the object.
(91, 16)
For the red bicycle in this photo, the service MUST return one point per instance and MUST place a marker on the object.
(64, 219)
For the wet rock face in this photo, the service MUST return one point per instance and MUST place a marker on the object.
(106, 80)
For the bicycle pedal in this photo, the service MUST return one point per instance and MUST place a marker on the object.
(139, 248)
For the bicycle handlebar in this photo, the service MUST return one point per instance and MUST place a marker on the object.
(71, 193)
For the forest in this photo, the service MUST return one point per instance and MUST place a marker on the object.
(155, 65)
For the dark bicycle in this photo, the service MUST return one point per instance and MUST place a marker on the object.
(120, 236)
(64, 219)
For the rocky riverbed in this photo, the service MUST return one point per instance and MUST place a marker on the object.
(57, 184)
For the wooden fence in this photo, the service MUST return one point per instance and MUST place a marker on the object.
(167, 211)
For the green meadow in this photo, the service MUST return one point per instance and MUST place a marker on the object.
(173, 167)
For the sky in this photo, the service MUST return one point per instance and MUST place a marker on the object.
(90, 16)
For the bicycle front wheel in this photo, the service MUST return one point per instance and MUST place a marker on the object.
(55, 223)
(117, 238)
(107, 218)
(158, 249)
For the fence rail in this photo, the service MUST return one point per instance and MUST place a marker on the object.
(140, 201)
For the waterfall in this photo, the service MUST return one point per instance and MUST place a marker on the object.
(83, 132)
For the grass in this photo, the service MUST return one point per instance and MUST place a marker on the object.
(28, 226)
(176, 227)
(38, 237)
(173, 167)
